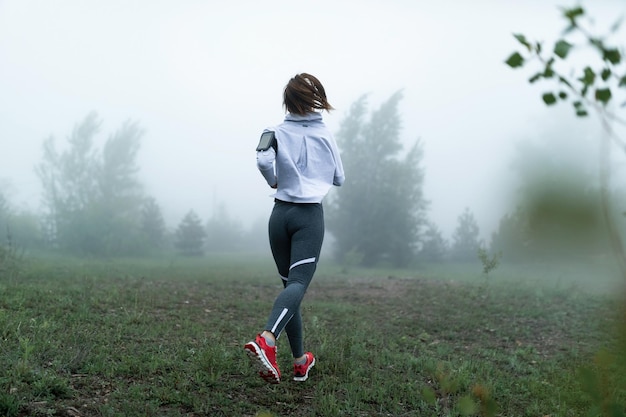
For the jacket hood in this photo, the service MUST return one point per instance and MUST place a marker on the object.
(309, 117)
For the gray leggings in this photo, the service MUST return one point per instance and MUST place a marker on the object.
(296, 233)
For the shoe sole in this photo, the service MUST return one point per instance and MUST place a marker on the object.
(306, 375)
(266, 370)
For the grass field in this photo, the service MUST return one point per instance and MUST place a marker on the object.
(165, 337)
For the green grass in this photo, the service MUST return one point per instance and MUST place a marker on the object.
(165, 337)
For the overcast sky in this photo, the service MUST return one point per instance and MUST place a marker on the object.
(203, 78)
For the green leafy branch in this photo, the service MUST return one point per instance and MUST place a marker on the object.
(590, 87)
(593, 87)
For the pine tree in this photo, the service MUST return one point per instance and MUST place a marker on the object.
(190, 235)
(152, 224)
(466, 240)
(224, 233)
(435, 247)
(512, 238)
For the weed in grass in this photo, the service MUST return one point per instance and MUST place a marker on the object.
(51, 387)
(26, 349)
(328, 404)
(9, 405)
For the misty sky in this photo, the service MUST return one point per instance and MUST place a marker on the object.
(203, 78)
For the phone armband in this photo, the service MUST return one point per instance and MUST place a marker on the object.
(267, 141)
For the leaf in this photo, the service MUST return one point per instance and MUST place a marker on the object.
(549, 98)
(573, 13)
(549, 72)
(562, 48)
(612, 55)
(522, 39)
(515, 60)
(622, 81)
(535, 77)
(562, 95)
(580, 109)
(603, 95)
(589, 77)
(606, 73)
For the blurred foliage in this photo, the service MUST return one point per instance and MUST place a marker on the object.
(570, 217)
(557, 205)
(559, 215)
(603, 379)
(553, 223)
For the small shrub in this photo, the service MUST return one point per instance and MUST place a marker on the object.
(489, 262)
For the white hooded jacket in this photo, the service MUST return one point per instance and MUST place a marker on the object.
(305, 163)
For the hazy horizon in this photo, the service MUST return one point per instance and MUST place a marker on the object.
(204, 78)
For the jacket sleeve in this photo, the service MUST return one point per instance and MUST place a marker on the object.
(265, 164)
(339, 176)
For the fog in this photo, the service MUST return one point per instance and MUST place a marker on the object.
(203, 78)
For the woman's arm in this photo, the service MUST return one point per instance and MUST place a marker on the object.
(265, 164)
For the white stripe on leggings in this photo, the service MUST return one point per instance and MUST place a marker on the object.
(304, 261)
(282, 315)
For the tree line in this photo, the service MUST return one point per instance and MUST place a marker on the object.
(93, 203)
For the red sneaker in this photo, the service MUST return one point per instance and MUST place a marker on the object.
(301, 372)
(265, 357)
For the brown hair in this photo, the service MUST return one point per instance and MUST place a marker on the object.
(303, 94)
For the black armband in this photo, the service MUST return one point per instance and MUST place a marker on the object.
(267, 141)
